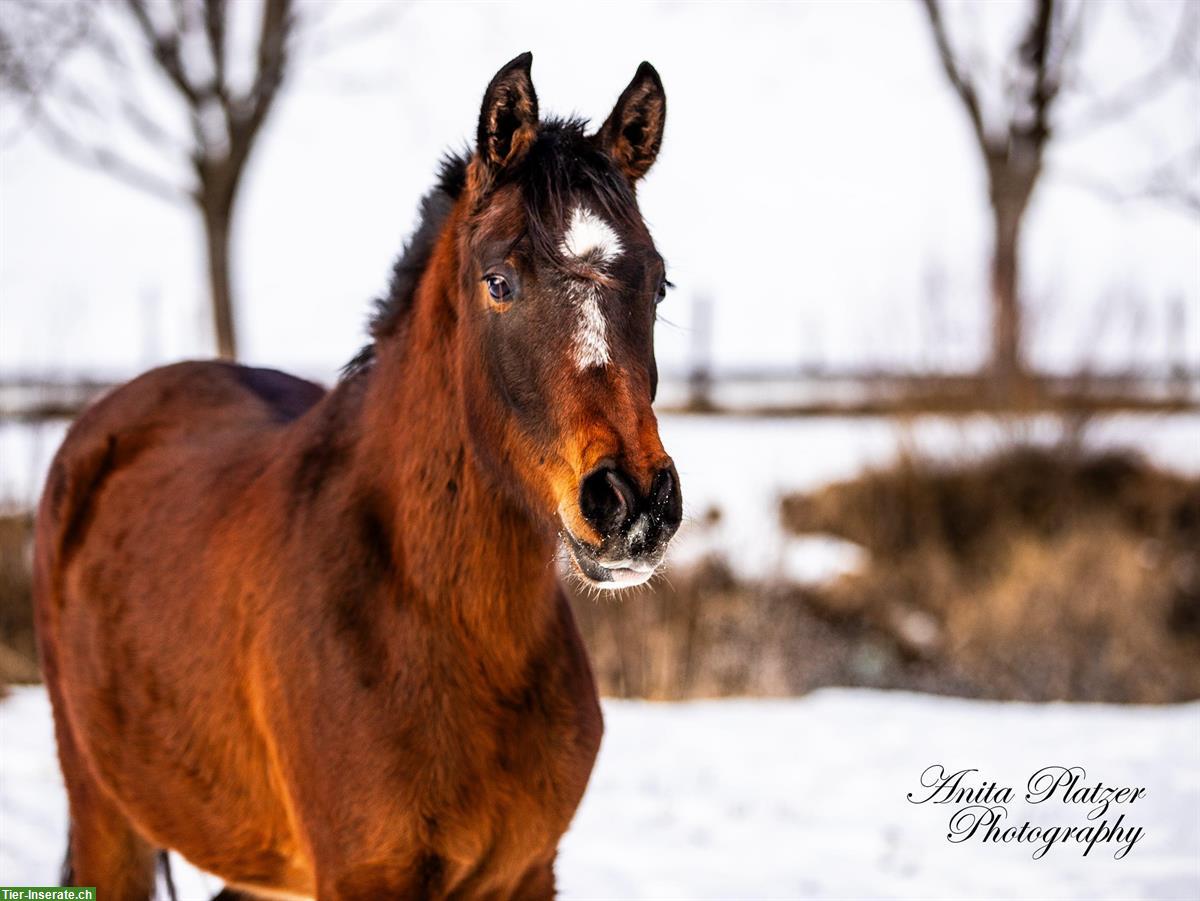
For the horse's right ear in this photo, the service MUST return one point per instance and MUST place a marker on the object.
(508, 120)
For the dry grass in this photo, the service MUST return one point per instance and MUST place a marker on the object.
(18, 655)
(1033, 574)
(703, 634)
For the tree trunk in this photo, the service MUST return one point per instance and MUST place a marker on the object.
(217, 215)
(1006, 361)
(1012, 174)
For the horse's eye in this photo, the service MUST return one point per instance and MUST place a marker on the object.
(662, 291)
(498, 288)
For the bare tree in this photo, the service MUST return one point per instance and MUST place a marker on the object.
(189, 46)
(1013, 139)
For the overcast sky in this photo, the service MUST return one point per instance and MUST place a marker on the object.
(818, 182)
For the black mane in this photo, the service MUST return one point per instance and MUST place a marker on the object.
(390, 310)
(562, 163)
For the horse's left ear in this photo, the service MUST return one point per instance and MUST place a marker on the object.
(508, 119)
(633, 131)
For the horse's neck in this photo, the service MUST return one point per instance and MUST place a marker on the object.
(471, 555)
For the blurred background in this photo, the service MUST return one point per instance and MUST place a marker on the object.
(931, 374)
(931, 371)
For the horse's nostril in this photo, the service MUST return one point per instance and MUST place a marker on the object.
(613, 505)
(666, 500)
(662, 489)
(606, 500)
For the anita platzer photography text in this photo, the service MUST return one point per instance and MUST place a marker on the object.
(664, 450)
(980, 811)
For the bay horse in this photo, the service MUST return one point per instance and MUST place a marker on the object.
(315, 642)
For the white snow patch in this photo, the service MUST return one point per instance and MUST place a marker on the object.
(813, 559)
(786, 799)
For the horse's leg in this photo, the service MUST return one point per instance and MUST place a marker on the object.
(104, 850)
(423, 881)
(538, 883)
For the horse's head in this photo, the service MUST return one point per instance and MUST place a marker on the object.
(561, 280)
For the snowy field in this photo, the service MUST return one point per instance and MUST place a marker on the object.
(792, 799)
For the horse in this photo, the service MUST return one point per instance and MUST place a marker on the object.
(316, 642)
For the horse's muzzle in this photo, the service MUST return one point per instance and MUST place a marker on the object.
(634, 527)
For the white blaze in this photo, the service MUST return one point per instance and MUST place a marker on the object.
(588, 234)
(591, 239)
(591, 332)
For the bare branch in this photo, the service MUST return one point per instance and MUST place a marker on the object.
(277, 24)
(955, 72)
(108, 161)
(72, 97)
(1171, 195)
(272, 57)
(165, 50)
(1173, 183)
(31, 56)
(146, 128)
(1036, 56)
(1177, 181)
(214, 29)
(1137, 92)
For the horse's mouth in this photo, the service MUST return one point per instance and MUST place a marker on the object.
(610, 575)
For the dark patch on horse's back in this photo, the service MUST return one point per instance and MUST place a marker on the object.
(287, 396)
(328, 438)
(187, 395)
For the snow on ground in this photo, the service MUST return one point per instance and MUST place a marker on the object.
(792, 799)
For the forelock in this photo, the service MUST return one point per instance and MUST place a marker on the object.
(564, 171)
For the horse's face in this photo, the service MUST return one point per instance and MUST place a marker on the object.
(561, 280)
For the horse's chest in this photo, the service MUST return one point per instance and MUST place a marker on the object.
(466, 774)
(514, 791)
(528, 769)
